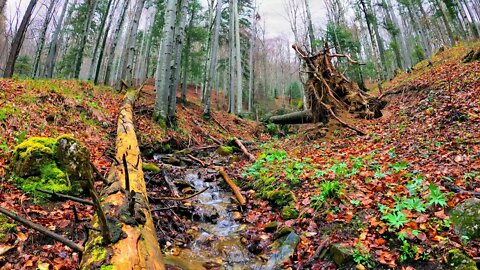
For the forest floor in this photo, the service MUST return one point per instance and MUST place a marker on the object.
(386, 196)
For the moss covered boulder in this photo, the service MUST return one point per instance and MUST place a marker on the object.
(465, 218)
(225, 151)
(456, 260)
(289, 212)
(57, 164)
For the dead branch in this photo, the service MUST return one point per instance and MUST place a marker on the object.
(233, 186)
(197, 160)
(43, 230)
(158, 199)
(64, 196)
(244, 150)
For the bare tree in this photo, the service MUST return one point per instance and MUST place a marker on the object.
(18, 40)
(41, 40)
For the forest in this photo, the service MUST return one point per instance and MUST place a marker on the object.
(239, 134)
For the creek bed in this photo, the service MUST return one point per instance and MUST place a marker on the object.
(207, 233)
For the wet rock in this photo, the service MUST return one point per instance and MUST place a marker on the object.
(225, 151)
(465, 218)
(207, 213)
(271, 226)
(74, 159)
(341, 253)
(456, 260)
(284, 252)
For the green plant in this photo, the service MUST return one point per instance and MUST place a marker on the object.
(363, 257)
(398, 166)
(396, 220)
(407, 251)
(435, 196)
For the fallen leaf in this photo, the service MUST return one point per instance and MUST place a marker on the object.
(4, 249)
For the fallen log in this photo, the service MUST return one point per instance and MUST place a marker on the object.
(244, 149)
(302, 117)
(134, 242)
(233, 186)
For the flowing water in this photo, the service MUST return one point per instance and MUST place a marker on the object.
(218, 244)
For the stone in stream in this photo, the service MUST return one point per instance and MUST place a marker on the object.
(465, 218)
(284, 252)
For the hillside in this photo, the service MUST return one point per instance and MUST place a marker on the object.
(379, 201)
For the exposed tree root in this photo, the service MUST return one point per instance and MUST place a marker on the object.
(328, 92)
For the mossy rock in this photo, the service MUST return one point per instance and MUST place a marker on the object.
(150, 167)
(225, 151)
(271, 226)
(341, 253)
(280, 197)
(289, 212)
(456, 260)
(57, 164)
(465, 218)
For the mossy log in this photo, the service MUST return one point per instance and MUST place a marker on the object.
(134, 242)
(302, 117)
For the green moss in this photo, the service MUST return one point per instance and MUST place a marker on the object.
(52, 172)
(106, 267)
(5, 227)
(456, 260)
(280, 197)
(98, 253)
(150, 167)
(225, 150)
(289, 212)
(36, 146)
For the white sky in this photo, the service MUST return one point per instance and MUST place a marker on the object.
(273, 14)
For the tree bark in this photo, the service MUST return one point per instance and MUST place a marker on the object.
(238, 59)
(213, 60)
(231, 58)
(52, 50)
(83, 41)
(165, 56)
(113, 46)
(302, 117)
(127, 205)
(186, 63)
(41, 40)
(99, 42)
(18, 40)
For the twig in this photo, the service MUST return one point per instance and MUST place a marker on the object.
(458, 189)
(233, 186)
(177, 199)
(206, 134)
(197, 160)
(244, 150)
(63, 196)
(99, 211)
(218, 123)
(131, 203)
(318, 252)
(97, 172)
(45, 231)
(125, 168)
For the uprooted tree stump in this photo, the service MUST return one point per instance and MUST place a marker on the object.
(129, 241)
(329, 92)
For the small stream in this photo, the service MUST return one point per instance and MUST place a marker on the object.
(218, 244)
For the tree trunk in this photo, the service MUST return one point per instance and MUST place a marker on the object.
(421, 33)
(443, 14)
(52, 51)
(3, 34)
(302, 117)
(98, 62)
(175, 69)
(127, 72)
(231, 44)
(83, 41)
(99, 42)
(41, 40)
(165, 56)
(251, 64)
(187, 59)
(127, 208)
(213, 59)
(18, 40)
(238, 59)
(113, 46)
(376, 60)
(381, 48)
(311, 34)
